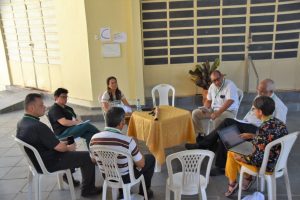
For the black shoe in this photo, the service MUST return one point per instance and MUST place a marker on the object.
(190, 146)
(76, 183)
(149, 193)
(217, 171)
(200, 137)
(91, 192)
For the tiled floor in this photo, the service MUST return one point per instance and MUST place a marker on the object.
(13, 169)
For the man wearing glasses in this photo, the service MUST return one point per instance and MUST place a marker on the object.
(64, 121)
(222, 102)
(247, 126)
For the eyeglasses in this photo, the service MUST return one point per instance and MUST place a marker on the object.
(215, 80)
(63, 96)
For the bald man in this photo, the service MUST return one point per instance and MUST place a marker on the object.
(249, 125)
(222, 102)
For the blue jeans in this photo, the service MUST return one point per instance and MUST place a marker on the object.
(85, 130)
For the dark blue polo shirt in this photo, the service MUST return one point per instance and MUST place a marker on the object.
(40, 136)
(57, 112)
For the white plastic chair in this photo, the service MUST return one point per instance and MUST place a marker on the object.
(189, 181)
(163, 93)
(241, 96)
(280, 170)
(107, 160)
(34, 173)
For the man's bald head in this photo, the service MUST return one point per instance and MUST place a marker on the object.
(266, 87)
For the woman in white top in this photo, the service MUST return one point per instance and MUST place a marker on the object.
(113, 95)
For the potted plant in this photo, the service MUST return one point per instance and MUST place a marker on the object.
(201, 75)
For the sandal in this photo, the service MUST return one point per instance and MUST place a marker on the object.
(247, 182)
(233, 187)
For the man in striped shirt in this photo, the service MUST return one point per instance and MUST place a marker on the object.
(113, 138)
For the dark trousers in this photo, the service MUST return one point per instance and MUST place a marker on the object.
(213, 143)
(76, 159)
(85, 130)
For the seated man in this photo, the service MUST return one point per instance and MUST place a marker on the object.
(55, 154)
(222, 102)
(113, 138)
(249, 125)
(64, 120)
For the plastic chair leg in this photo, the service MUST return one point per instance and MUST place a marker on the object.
(60, 181)
(262, 183)
(203, 194)
(144, 188)
(115, 192)
(37, 188)
(126, 192)
(271, 182)
(168, 192)
(30, 184)
(104, 190)
(71, 185)
(177, 195)
(287, 184)
(240, 184)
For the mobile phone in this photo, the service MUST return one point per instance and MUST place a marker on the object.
(70, 140)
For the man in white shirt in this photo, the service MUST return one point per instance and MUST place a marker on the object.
(222, 102)
(113, 138)
(248, 125)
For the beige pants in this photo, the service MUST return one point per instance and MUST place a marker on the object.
(201, 119)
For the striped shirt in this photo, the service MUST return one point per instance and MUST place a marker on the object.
(114, 139)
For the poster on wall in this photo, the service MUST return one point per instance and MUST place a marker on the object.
(105, 34)
(120, 37)
(111, 50)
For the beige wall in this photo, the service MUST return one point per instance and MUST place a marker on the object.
(120, 16)
(75, 71)
(4, 73)
(83, 70)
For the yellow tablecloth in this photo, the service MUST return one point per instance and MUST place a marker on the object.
(173, 127)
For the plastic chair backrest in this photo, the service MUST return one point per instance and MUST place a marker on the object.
(286, 143)
(107, 158)
(190, 161)
(22, 146)
(241, 96)
(163, 93)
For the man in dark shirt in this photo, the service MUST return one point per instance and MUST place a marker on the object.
(55, 154)
(64, 120)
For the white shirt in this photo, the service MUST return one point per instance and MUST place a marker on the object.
(105, 97)
(280, 112)
(218, 96)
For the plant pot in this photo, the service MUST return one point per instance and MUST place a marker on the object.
(204, 96)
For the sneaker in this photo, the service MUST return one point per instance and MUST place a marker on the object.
(217, 171)
(149, 193)
(91, 192)
(76, 183)
(190, 146)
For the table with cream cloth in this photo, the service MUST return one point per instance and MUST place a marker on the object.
(173, 127)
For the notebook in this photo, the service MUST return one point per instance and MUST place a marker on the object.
(231, 139)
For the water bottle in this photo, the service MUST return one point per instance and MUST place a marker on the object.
(138, 105)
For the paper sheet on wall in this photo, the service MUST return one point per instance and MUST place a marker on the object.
(120, 37)
(111, 50)
(105, 34)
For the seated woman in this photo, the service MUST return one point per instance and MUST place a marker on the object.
(270, 130)
(114, 97)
